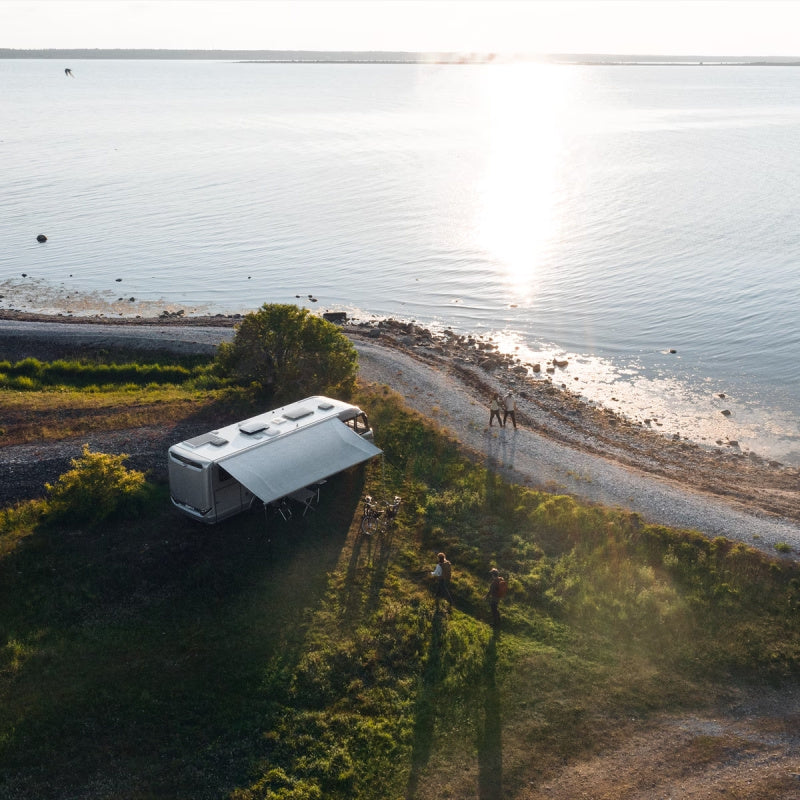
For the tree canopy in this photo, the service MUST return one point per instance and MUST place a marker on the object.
(287, 351)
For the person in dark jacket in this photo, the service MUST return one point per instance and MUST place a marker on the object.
(493, 596)
(495, 406)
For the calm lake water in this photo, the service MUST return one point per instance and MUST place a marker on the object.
(603, 214)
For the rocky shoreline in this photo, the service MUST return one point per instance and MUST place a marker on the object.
(557, 413)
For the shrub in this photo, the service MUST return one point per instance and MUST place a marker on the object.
(97, 486)
(285, 350)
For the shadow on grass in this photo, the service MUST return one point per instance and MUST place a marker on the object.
(489, 723)
(146, 648)
(490, 749)
(371, 556)
(426, 706)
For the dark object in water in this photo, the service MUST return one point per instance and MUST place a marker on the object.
(41, 238)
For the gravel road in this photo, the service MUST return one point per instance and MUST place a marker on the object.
(32, 337)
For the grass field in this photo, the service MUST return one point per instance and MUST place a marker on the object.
(151, 657)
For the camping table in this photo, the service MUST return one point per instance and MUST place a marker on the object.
(305, 497)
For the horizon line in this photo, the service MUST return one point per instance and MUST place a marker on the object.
(450, 54)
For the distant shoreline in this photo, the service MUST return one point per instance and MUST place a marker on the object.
(398, 57)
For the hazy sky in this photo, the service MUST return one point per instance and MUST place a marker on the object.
(669, 27)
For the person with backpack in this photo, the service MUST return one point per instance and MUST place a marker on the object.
(497, 591)
(442, 572)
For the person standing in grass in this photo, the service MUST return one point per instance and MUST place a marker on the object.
(494, 410)
(442, 572)
(494, 594)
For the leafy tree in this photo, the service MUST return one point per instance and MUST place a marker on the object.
(97, 486)
(285, 350)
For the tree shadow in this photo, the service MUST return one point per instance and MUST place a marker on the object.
(147, 632)
(490, 747)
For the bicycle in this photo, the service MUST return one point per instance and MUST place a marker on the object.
(375, 519)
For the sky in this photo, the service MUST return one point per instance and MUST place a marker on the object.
(644, 27)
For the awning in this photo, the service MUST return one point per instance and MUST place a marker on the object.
(306, 456)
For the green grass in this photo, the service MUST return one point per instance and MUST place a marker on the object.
(155, 658)
(30, 375)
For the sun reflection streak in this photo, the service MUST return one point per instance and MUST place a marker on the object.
(518, 216)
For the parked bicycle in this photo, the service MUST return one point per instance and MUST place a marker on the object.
(377, 518)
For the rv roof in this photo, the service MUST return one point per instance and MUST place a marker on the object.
(269, 426)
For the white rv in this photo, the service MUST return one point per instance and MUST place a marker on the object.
(267, 457)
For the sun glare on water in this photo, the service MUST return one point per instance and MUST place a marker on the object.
(517, 217)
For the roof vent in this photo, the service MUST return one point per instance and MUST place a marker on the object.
(298, 413)
(325, 406)
(254, 426)
(207, 438)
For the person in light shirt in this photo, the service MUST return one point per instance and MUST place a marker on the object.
(442, 572)
(510, 409)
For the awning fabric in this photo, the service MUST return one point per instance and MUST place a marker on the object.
(283, 465)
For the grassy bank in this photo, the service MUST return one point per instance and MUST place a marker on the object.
(49, 400)
(153, 658)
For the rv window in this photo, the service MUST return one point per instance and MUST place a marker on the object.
(223, 475)
(358, 423)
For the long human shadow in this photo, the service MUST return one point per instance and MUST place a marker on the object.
(425, 707)
(490, 747)
(371, 555)
(501, 450)
(494, 455)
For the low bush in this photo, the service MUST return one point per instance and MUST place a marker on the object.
(97, 487)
